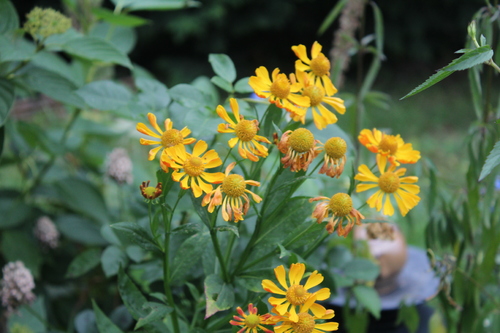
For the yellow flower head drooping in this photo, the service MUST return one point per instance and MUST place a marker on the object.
(340, 205)
(246, 133)
(296, 294)
(390, 146)
(251, 322)
(300, 149)
(317, 67)
(322, 117)
(390, 182)
(193, 166)
(165, 139)
(306, 322)
(236, 202)
(335, 149)
(150, 192)
(279, 90)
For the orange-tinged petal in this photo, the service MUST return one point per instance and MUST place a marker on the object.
(184, 182)
(221, 111)
(271, 287)
(214, 178)
(149, 142)
(146, 130)
(301, 53)
(153, 152)
(223, 128)
(168, 124)
(154, 123)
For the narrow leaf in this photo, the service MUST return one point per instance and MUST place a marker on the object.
(470, 59)
(440, 75)
(230, 228)
(119, 19)
(136, 234)
(492, 161)
(158, 313)
(104, 324)
(6, 99)
(83, 263)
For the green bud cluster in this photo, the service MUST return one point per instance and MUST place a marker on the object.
(42, 23)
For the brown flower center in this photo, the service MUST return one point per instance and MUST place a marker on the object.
(281, 86)
(389, 144)
(194, 166)
(335, 147)
(234, 186)
(389, 182)
(301, 140)
(315, 94)
(320, 65)
(246, 130)
(340, 204)
(171, 137)
(305, 324)
(297, 294)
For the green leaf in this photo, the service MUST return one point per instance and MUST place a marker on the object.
(83, 263)
(83, 197)
(153, 93)
(273, 116)
(241, 86)
(123, 38)
(17, 245)
(112, 259)
(492, 161)
(409, 316)
(55, 63)
(104, 95)
(327, 22)
(158, 313)
(218, 294)
(470, 59)
(223, 66)
(132, 5)
(369, 298)
(6, 99)
(188, 256)
(9, 20)
(2, 140)
(80, 229)
(230, 228)
(136, 234)
(15, 49)
(96, 49)
(26, 320)
(119, 19)
(361, 269)
(222, 83)
(53, 85)
(188, 228)
(187, 96)
(201, 211)
(104, 324)
(133, 299)
(440, 75)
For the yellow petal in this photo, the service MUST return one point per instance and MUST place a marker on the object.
(153, 152)
(199, 148)
(280, 274)
(271, 287)
(236, 109)
(214, 178)
(313, 280)
(322, 294)
(197, 192)
(149, 142)
(364, 187)
(318, 310)
(296, 273)
(388, 208)
(145, 130)
(316, 49)
(330, 326)
(365, 174)
(154, 123)
(221, 111)
(232, 142)
(301, 53)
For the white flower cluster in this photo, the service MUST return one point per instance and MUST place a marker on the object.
(46, 232)
(119, 166)
(16, 286)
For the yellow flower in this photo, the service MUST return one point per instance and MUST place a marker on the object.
(306, 322)
(390, 146)
(300, 149)
(279, 91)
(193, 165)
(335, 149)
(251, 322)
(246, 133)
(340, 205)
(166, 139)
(389, 183)
(296, 294)
(234, 186)
(150, 192)
(322, 117)
(317, 67)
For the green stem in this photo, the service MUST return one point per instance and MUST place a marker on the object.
(218, 253)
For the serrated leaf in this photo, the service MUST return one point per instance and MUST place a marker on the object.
(492, 161)
(223, 66)
(222, 83)
(83, 263)
(96, 49)
(104, 324)
(6, 99)
(439, 76)
(369, 298)
(133, 299)
(157, 313)
(470, 59)
(124, 20)
(188, 255)
(230, 228)
(136, 234)
(105, 95)
(9, 20)
(218, 294)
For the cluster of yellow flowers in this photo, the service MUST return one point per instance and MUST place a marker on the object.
(294, 309)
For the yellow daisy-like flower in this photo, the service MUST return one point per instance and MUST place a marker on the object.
(169, 138)
(390, 146)
(234, 186)
(390, 182)
(306, 322)
(335, 149)
(252, 322)
(300, 149)
(193, 174)
(296, 294)
(246, 133)
(317, 67)
(340, 205)
(279, 90)
(322, 117)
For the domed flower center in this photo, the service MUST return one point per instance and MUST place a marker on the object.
(305, 324)
(194, 166)
(246, 130)
(335, 147)
(301, 140)
(389, 182)
(297, 294)
(389, 144)
(315, 94)
(320, 65)
(252, 321)
(150, 191)
(234, 186)
(281, 86)
(340, 204)
(171, 137)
